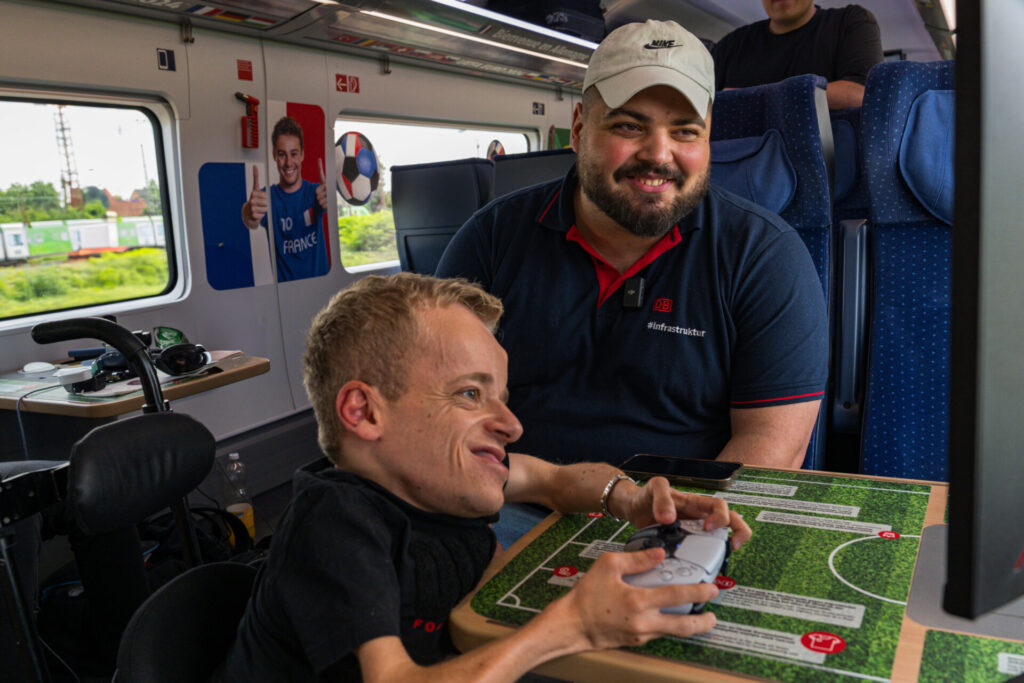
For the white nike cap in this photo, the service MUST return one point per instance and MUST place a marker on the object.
(637, 56)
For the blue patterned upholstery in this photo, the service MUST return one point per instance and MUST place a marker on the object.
(756, 168)
(849, 235)
(850, 199)
(906, 406)
(788, 107)
(792, 107)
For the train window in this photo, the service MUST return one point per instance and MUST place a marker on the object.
(83, 217)
(366, 229)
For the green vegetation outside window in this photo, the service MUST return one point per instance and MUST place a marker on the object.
(82, 218)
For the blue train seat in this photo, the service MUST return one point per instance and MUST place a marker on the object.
(432, 201)
(795, 112)
(515, 171)
(850, 239)
(773, 145)
(907, 121)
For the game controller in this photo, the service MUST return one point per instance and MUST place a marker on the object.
(692, 555)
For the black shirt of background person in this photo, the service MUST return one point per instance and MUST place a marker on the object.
(840, 44)
(351, 562)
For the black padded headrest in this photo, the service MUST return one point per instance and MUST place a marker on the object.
(443, 193)
(126, 470)
(516, 171)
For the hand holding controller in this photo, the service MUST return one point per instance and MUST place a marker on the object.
(692, 555)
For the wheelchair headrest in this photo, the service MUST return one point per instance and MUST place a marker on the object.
(125, 471)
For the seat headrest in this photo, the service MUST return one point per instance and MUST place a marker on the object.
(756, 168)
(440, 193)
(926, 152)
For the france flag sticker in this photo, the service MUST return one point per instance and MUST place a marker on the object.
(235, 256)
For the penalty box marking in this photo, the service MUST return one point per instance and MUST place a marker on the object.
(543, 566)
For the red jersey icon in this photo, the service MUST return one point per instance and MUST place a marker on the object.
(823, 641)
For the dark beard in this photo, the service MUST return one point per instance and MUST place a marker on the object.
(640, 217)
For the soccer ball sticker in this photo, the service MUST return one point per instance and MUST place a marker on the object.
(358, 170)
(494, 149)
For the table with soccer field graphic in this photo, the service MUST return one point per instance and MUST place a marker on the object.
(819, 592)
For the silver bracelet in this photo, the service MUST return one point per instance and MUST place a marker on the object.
(606, 494)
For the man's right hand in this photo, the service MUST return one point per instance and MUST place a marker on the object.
(602, 611)
(609, 613)
(255, 209)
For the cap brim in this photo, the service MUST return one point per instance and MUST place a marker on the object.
(616, 90)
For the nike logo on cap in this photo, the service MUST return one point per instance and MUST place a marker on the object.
(660, 44)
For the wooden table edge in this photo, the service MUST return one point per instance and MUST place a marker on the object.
(231, 370)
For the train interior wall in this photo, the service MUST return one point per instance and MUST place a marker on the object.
(56, 50)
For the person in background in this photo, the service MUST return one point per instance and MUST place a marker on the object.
(797, 38)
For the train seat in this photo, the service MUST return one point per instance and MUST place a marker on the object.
(850, 238)
(756, 168)
(795, 110)
(516, 171)
(908, 154)
(432, 201)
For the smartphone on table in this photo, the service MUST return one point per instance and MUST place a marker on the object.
(708, 474)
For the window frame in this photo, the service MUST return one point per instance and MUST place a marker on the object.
(163, 117)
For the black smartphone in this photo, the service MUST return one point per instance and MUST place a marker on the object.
(708, 474)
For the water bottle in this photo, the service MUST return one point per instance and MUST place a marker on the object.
(239, 502)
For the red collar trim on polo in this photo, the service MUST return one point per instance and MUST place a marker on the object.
(608, 278)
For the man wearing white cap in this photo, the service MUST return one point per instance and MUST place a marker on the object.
(647, 311)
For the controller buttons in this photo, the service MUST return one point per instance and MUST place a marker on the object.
(666, 575)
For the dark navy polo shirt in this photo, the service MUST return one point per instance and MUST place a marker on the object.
(732, 317)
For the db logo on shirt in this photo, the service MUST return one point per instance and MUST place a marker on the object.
(662, 305)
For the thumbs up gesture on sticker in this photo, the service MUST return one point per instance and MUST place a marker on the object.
(321, 189)
(255, 209)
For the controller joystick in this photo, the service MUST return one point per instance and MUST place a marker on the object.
(692, 555)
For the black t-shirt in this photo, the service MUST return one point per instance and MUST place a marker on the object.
(351, 562)
(839, 44)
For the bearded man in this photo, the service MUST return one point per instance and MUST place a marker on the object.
(645, 310)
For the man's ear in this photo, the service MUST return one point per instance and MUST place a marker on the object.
(357, 406)
(577, 126)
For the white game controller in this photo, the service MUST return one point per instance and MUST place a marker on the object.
(692, 555)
